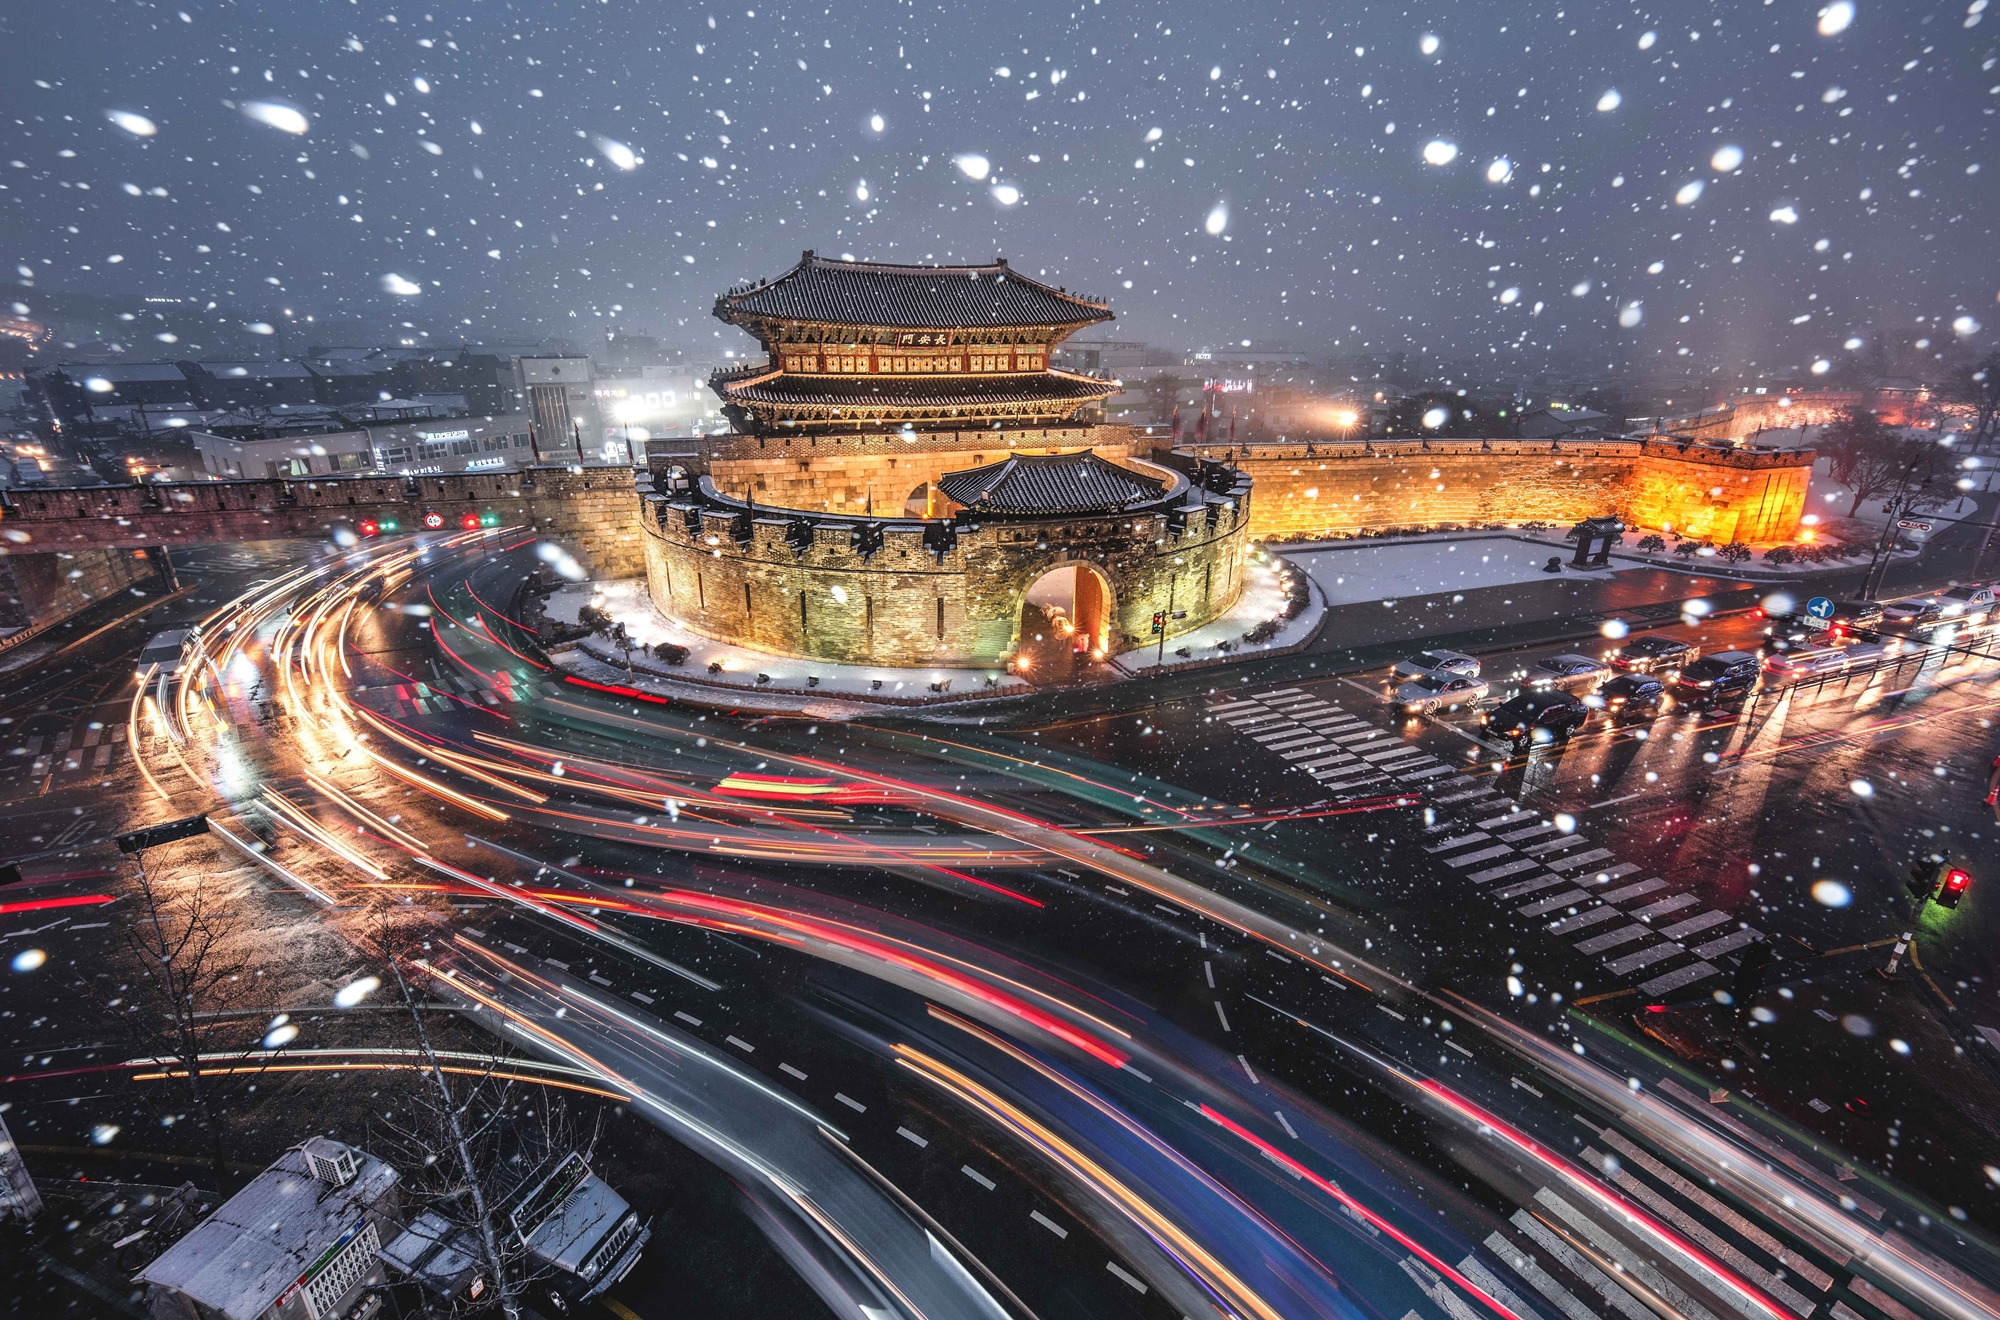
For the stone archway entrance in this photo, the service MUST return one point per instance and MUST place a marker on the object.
(1065, 623)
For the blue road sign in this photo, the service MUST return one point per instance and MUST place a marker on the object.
(1820, 607)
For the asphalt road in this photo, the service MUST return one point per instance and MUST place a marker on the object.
(1056, 1018)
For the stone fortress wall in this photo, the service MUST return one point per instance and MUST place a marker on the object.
(1719, 493)
(932, 593)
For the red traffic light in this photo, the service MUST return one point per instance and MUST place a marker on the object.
(470, 522)
(433, 520)
(369, 527)
(1956, 882)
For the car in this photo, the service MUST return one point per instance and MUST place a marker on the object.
(1913, 614)
(1653, 654)
(1969, 604)
(1632, 697)
(1571, 673)
(1436, 662)
(164, 650)
(1854, 616)
(1438, 692)
(1551, 714)
(1713, 679)
(1791, 632)
(1863, 656)
(1789, 666)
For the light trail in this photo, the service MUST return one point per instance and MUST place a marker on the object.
(51, 904)
(1180, 1246)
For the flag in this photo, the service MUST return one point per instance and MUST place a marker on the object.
(1232, 423)
(1177, 419)
(1201, 426)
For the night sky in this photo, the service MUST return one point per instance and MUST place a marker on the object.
(464, 166)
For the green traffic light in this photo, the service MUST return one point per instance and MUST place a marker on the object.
(387, 524)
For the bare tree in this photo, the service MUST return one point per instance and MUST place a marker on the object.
(472, 1138)
(192, 953)
(1977, 384)
(1874, 460)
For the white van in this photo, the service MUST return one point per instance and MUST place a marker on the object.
(163, 650)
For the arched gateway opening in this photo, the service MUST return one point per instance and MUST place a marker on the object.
(1065, 623)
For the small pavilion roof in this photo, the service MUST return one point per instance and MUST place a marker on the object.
(1050, 484)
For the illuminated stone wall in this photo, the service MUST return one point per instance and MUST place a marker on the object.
(1723, 494)
(906, 606)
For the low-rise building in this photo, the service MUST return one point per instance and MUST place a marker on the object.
(301, 1242)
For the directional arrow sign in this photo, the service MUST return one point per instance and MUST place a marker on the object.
(1820, 607)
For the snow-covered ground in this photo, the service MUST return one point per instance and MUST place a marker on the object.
(1830, 504)
(1366, 571)
(1263, 598)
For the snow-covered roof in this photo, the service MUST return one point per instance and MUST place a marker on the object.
(268, 1236)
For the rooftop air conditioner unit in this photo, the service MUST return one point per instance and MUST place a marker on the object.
(335, 1170)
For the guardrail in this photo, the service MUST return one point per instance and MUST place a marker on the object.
(1917, 655)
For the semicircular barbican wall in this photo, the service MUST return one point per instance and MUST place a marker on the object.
(951, 591)
(881, 383)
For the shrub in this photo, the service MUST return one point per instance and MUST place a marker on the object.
(1653, 544)
(1780, 555)
(593, 618)
(1735, 552)
(672, 653)
(1687, 549)
(1263, 632)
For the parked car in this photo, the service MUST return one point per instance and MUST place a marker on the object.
(1631, 697)
(1552, 714)
(1439, 692)
(1571, 673)
(1789, 666)
(1436, 662)
(164, 650)
(1652, 654)
(1713, 679)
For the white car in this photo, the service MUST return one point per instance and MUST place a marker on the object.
(1439, 692)
(164, 650)
(1786, 666)
(1571, 673)
(1437, 662)
(1970, 604)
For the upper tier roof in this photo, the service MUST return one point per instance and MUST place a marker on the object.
(908, 297)
(1050, 484)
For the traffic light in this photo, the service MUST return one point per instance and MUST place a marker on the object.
(1159, 622)
(470, 522)
(489, 520)
(433, 520)
(1924, 877)
(369, 527)
(388, 524)
(1956, 882)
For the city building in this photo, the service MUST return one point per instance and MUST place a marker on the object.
(301, 1242)
(425, 446)
(559, 395)
(909, 481)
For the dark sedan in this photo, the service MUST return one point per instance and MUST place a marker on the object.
(1647, 655)
(1631, 697)
(1540, 716)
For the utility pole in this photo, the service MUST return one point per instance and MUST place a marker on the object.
(1173, 584)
